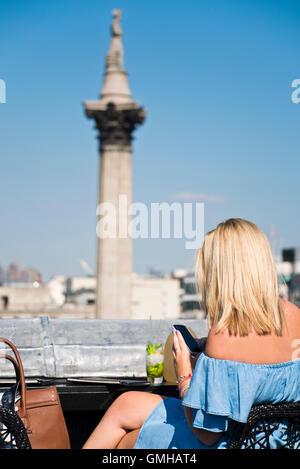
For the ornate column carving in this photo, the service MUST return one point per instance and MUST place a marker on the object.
(116, 126)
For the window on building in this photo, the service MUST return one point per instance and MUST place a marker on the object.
(5, 302)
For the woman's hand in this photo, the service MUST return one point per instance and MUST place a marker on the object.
(182, 356)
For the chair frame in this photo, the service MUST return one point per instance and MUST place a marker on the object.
(266, 418)
(13, 434)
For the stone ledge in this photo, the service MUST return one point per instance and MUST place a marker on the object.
(62, 348)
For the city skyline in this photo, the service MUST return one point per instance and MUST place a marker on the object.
(221, 126)
(15, 273)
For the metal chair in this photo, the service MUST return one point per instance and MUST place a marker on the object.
(262, 421)
(13, 434)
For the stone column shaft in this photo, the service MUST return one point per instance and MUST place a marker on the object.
(114, 255)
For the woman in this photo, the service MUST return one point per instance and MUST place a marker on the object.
(249, 355)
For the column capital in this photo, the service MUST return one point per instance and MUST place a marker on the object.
(116, 124)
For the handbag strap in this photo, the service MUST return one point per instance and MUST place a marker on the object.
(13, 361)
(19, 373)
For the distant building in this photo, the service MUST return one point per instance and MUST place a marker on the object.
(31, 275)
(158, 297)
(190, 300)
(61, 296)
(155, 297)
(81, 290)
(13, 273)
(57, 288)
(289, 273)
(23, 298)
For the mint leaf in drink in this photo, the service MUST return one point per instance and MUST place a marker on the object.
(157, 346)
(150, 348)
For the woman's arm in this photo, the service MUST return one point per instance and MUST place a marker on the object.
(184, 367)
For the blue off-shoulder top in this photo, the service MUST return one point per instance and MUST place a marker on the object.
(221, 392)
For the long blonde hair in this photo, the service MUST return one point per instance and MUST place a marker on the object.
(236, 274)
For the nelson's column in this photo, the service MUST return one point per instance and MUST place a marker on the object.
(116, 116)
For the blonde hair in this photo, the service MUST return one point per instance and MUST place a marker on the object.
(236, 274)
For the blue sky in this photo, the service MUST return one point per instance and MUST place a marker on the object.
(215, 77)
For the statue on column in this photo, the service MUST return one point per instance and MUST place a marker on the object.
(114, 58)
(116, 29)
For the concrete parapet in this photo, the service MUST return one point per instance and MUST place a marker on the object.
(64, 348)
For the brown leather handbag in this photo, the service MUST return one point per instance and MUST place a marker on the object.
(40, 410)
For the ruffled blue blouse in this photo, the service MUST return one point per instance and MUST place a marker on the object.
(221, 392)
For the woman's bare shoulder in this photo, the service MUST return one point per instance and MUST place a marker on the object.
(220, 345)
(246, 349)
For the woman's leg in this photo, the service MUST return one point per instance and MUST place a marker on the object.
(128, 412)
(129, 440)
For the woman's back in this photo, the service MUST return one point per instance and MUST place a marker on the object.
(259, 349)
